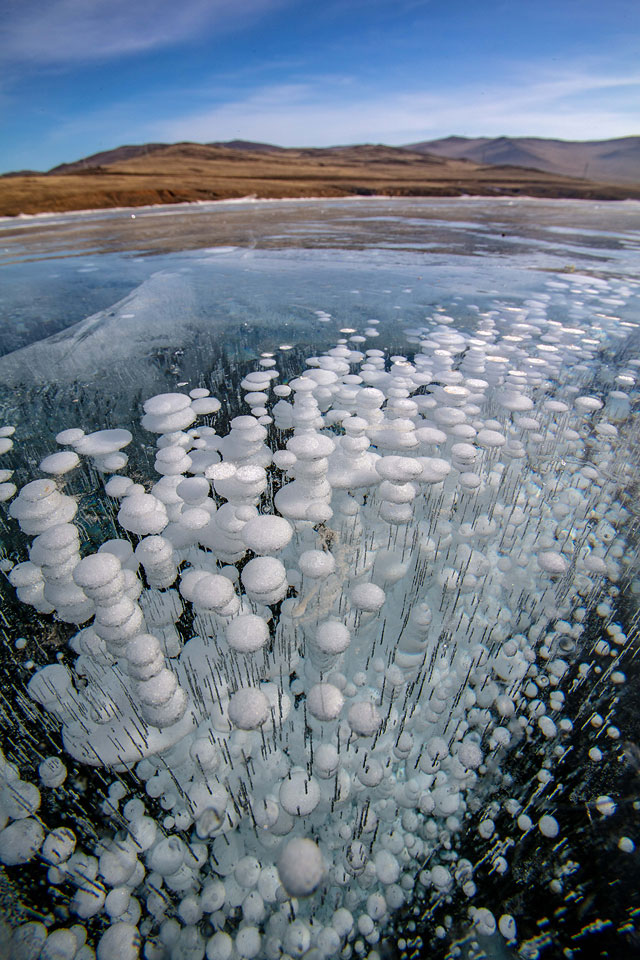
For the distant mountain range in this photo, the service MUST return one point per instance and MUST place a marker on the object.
(608, 161)
(229, 149)
(135, 175)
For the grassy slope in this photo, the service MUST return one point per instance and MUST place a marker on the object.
(191, 172)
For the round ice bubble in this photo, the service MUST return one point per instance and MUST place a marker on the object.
(212, 591)
(332, 637)
(103, 442)
(193, 490)
(121, 940)
(247, 942)
(301, 867)
(364, 718)
(310, 446)
(212, 896)
(367, 597)
(96, 570)
(264, 579)
(587, 404)
(490, 438)
(52, 772)
(249, 708)
(247, 633)
(167, 856)
(20, 799)
(387, 867)
(219, 946)
(158, 689)
(370, 773)
(326, 760)
(7, 489)
(324, 701)
(266, 535)
(142, 651)
(316, 564)
(398, 469)
(548, 826)
(166, 403)
(63, 944)
(507, 926)
(117, 902)
(28, 940)
(70, 436)
(143, 514)
(58, 845)
(118, 487)
(299, 794)
(469, 754)
(552, 563)
(205, 406)
(57, 464)
(55, 545)
(247, 871)
(117, 864)
(36, 491)
(20, 841)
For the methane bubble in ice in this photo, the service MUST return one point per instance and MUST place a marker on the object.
(301, 649)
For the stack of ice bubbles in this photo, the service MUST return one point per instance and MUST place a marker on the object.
(304, 659)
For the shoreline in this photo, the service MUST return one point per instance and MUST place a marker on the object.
(180, 205)
(28, 219)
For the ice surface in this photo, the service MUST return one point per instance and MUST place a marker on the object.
(420, 711)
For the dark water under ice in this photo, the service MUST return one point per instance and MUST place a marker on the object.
(100, 310)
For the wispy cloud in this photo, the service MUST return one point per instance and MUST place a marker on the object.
(576, 103)
(75, 31)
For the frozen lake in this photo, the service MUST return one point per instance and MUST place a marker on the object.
(144, 296)
(503, 344)
(59, 270)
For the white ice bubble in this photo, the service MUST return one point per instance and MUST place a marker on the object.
(301, 867)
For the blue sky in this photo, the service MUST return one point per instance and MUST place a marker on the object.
(80, 76)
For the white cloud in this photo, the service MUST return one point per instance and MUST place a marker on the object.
(577, 104)
(63, 31)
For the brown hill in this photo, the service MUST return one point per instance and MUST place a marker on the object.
(609, 161)
(173, 173)
(108, 157)
(247, 145)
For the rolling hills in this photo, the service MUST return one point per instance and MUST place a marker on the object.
(611, 161)
(158, 173)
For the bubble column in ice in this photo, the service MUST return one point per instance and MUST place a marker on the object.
(258, 384)
(41, 509)
(27, 578)
(244, 444)
(396, 491)
(92, 716)
(104, 448)
(308, 495)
